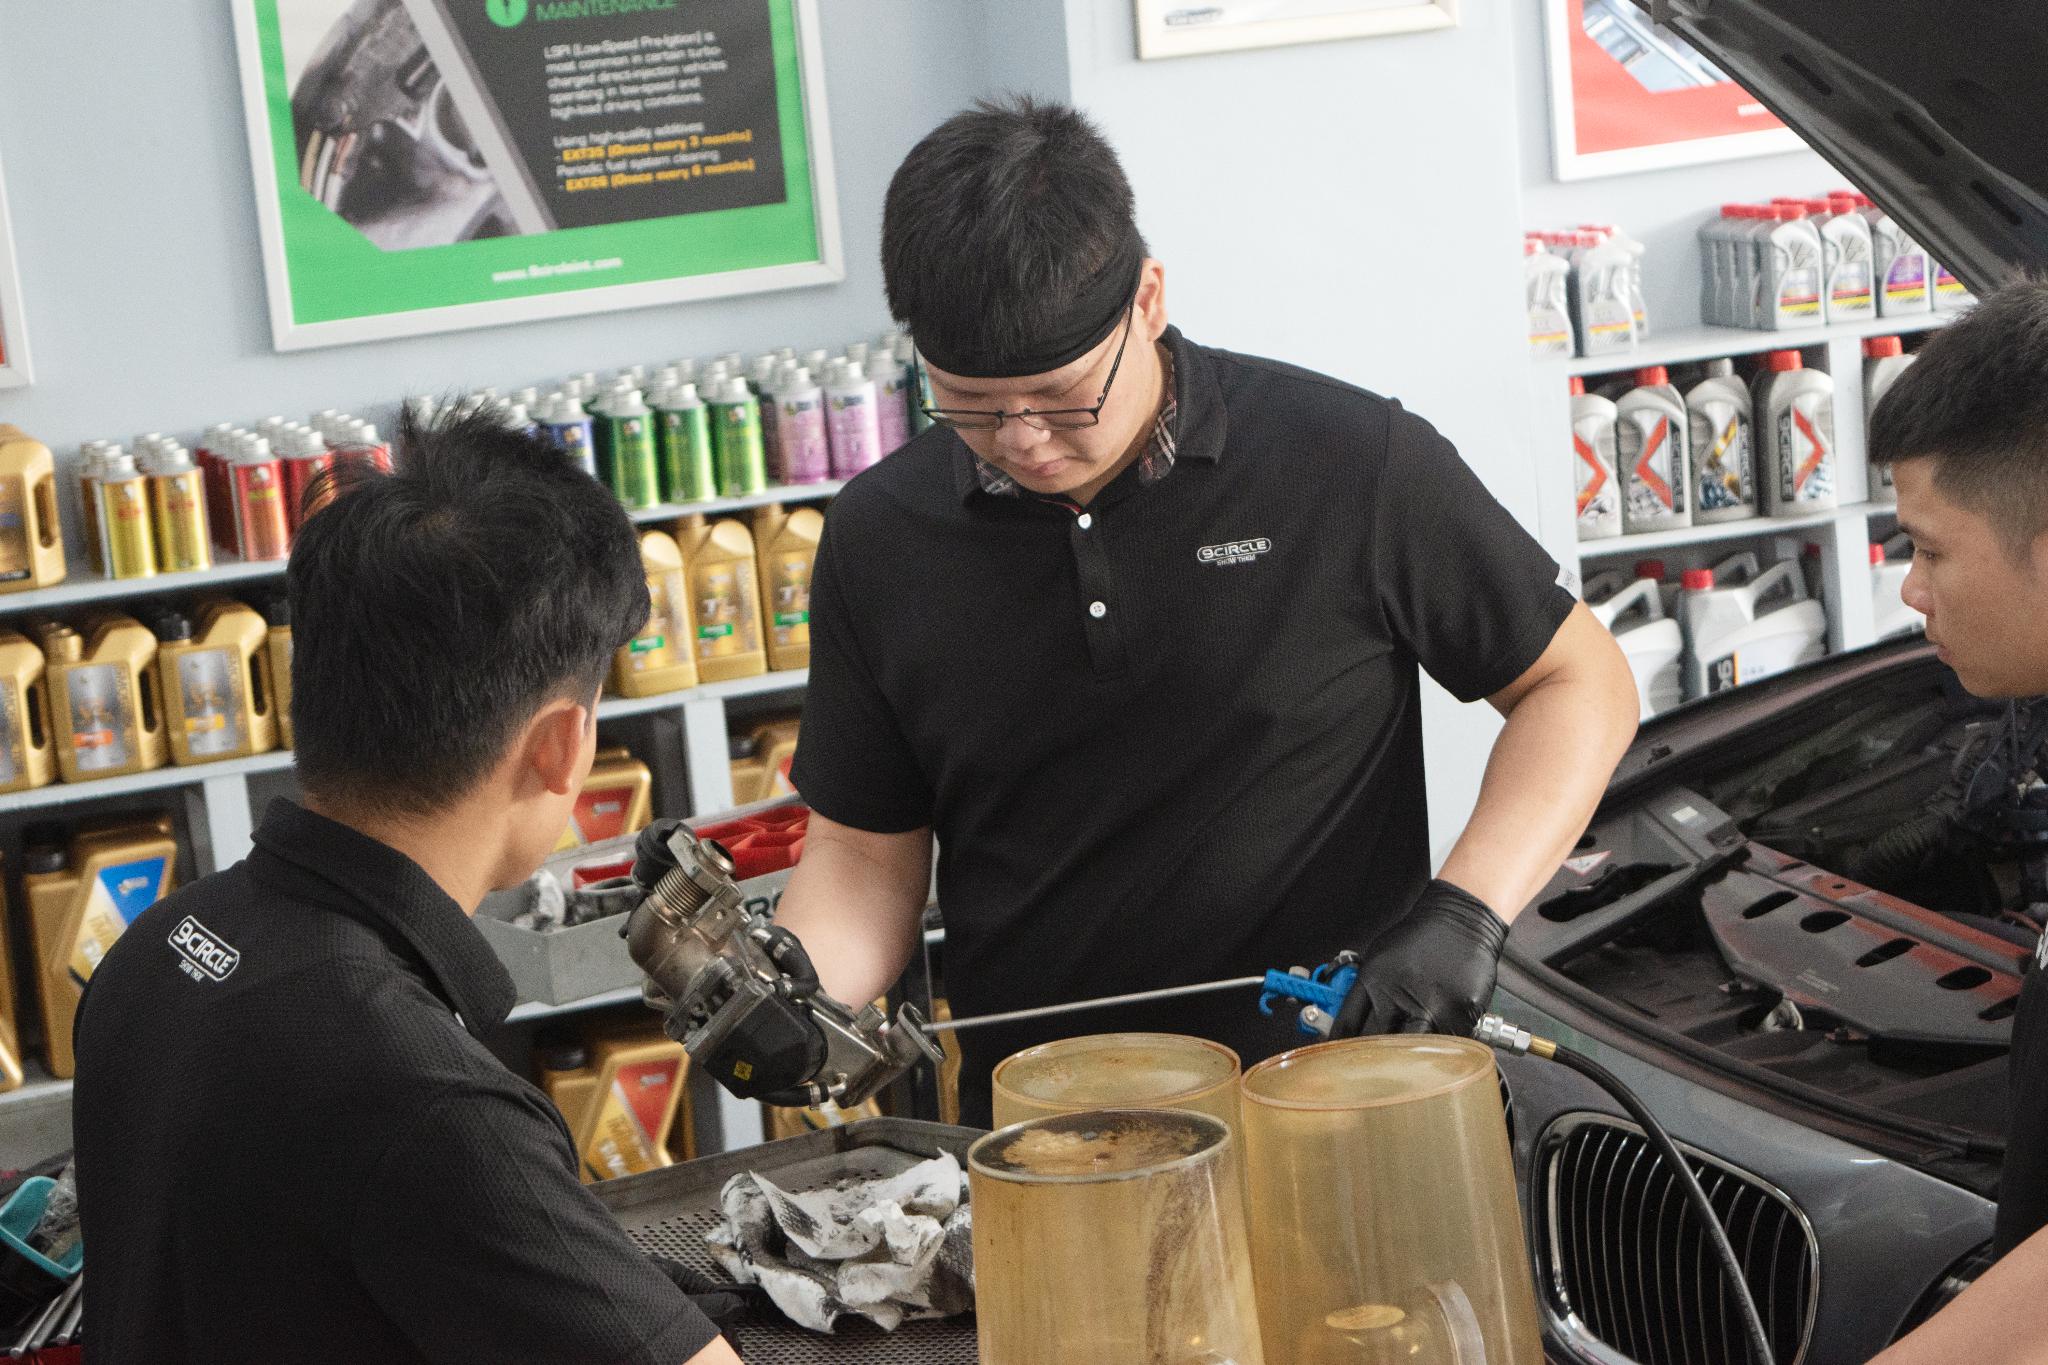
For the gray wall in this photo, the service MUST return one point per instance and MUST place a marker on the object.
(135, 226)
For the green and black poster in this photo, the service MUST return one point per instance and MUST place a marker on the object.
(425, 165)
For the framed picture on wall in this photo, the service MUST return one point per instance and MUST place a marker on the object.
(1629, 95)
(430, 165)
(14, 366)
(1187, 28)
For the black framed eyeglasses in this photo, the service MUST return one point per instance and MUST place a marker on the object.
(1050, 419)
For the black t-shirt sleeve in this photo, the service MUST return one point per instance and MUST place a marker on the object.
(479, 1243)
(1460, 582)
(853, 762)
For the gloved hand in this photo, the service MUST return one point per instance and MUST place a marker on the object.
(1432, 972)
(722, 1302)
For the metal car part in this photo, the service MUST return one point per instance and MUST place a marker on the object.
(739, 994)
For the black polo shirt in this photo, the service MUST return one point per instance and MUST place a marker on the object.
(293, 1147)
(1175, 736)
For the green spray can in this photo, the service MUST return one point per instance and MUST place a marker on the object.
(682, 438)
(626, 450)
(736, 437)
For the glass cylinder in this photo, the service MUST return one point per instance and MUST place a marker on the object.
(1119, 1071)
(1384, 1220)
(1111, 1237)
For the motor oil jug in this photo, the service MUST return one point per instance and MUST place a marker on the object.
(106, 712)
(1951, 295)
(1632, 279)
(1884, 360)
(1904, 286)
(640, 1091)
(1743, 632)
(787, 543)
(749, 773)
(27, 758)
(1651, 444)
(562, 1070)
(1852, 274)
(10, 1019)
(1599, 299)
(1594, 464)
(1651, 641)
(277, 645)
(31, 543)
(617, 798)
(725, 598)
(1723, 458)
(1792, 263)
(1887, 596)
(659, 658)
(1796, 439)
(775, 743)
(215, 675)
(1546, 280)
(81, 898)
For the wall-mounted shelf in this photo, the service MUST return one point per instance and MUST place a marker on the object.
(1686, 344)
(800, 492)
(69, 793)
(84, 588)
(1617, 547)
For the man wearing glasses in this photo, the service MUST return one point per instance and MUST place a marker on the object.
(1134, 632)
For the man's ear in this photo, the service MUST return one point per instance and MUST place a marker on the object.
(551, 747)
(1151, 305)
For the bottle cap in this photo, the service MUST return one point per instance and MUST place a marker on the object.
(43, 859)
(560, 1052)
(1698, 580)
(1734, 210)
(278, 610)
(1578, 386)
(173, 626)
(1653, 374)
(1790, 213)
(1781, 361)
(1650, 568)
(1876, 553)
(1876, 348)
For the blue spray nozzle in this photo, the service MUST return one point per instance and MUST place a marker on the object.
(1319, 994)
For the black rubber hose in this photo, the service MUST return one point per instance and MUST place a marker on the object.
(1900, 851)
(1759, 1340)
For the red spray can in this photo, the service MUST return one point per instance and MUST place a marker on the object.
(262, 529)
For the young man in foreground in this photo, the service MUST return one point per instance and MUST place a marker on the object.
(292, 1145)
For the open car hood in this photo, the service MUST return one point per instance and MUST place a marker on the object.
(1937, 109)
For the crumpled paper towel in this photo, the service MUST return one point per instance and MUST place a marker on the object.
(891, 1250)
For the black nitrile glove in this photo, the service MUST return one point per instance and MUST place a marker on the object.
(1432, 972)
(724, 1303)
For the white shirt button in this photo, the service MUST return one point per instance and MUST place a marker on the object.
(1098, 610)
(1084, 521)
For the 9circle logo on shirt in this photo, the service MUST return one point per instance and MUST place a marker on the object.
(1234, 551)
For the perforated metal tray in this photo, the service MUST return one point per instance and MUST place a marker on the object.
(667, 1212)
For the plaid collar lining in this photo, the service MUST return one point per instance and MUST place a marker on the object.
(1155, 464)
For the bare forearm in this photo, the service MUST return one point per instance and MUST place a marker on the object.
(855, 901)
(1544, 778)
(1999, 1320)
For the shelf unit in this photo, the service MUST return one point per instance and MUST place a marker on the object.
(1843, 533)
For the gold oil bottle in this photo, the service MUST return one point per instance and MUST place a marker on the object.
(31, 543)
(80, 900)
(215, 680)
(10, 1019)
(562, 1064)
(786, 542)
(177, 513)
(617, 798)
(277, 647)
(749, 773)
(106, 714)
(725, 598)
(27, 758)
(659, 658)
(123, 492)
(775, 741)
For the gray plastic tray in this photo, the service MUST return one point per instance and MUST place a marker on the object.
(667, 1212)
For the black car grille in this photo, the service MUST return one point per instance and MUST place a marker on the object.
(1631, 1261)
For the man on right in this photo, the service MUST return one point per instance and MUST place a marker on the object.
(1965, 433)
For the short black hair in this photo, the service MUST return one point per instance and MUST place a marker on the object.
(997, 221)
(1975, 399)
(435, 608)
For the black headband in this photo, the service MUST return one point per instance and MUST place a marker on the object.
(1093, 315)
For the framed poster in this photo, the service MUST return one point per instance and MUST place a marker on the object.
(1629, 95)
(430, 165)
(1187, 28)
(14, 366)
